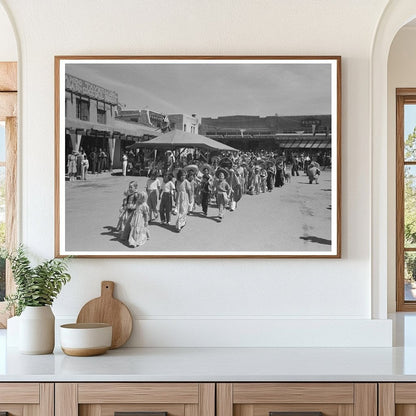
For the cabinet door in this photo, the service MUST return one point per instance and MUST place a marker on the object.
(397, 399)
(142, 399)
(26, 399)
(297, 399)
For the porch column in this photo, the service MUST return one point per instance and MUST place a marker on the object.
(111, 148)
(78, 137)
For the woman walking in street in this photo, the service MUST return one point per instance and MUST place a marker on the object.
(183, 190)
(167, 193)
(205, 189)
(193, 184)
(153, 191)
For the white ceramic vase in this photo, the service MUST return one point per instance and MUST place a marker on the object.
(37, 330)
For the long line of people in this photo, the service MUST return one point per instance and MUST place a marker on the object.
(221, 183)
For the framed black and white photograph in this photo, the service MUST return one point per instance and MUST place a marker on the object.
(198, 156)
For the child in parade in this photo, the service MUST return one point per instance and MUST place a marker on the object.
(222, 191)
(234, 181)
(167, 193)
(271, 173)
(193, 184)
(280, 169)
(139, 233)
(256, 180)
(242, 174)
(183, 189)
(313, 171)
(127, 210)
(205, 190)
(153, 191)
(250, 180)
(263, 180)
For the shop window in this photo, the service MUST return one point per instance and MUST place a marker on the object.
(101, 116)
(83, 109)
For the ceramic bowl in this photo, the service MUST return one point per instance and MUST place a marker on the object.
(83, 340)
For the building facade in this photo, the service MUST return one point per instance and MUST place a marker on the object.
(93, 122)
(310, 134)
(184, 122)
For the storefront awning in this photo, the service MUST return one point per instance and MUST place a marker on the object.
(116, 127)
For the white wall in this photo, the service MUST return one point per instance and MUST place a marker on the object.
(401, 74)
(8, 46)
(212, 302)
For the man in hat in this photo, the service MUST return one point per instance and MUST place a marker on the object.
(205, 189)
(222, 191)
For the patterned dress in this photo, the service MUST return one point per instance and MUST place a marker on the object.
(126, 212)
(139, 225)
(182, 202)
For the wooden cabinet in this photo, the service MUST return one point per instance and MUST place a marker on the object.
(397, 399)
(264, 399)
(208, 399)
(27, 399)
(107, 399)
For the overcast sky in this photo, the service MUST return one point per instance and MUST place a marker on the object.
(212, 90)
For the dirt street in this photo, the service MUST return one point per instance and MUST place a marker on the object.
(296, 217)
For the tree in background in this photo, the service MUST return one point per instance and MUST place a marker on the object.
(410, 206)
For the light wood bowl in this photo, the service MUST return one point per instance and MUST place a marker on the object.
(84, 340)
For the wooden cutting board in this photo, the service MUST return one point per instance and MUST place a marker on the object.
(107, 309)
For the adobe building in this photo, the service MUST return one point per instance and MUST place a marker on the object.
(184, 122)
(92, 121)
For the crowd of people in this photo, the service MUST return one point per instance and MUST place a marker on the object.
(79, 163)
(189, 184)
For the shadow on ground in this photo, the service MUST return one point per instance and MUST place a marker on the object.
(112, 232)
(201, 215)
(318, 240)
(167, 227)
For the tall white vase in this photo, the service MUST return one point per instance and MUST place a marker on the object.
(37, 330)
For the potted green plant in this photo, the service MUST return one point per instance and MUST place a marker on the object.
(36, 289)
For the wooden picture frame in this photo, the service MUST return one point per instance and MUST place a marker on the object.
(272, 124)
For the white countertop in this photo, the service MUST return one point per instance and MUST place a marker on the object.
(221, 364)
(215, 364)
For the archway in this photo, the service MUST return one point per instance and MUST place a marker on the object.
(395, 16)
